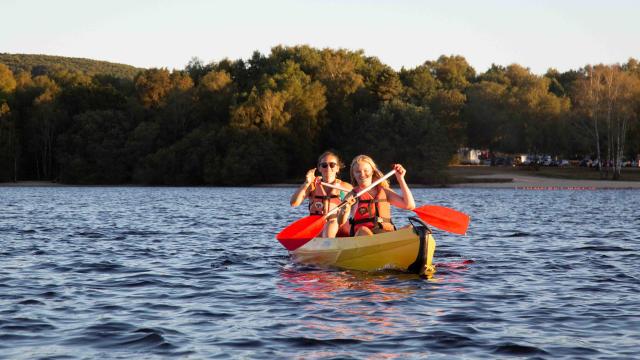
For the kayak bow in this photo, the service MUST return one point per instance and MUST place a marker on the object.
(408, 249)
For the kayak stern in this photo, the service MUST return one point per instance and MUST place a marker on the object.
(408, 249)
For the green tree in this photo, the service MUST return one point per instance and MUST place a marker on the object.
(607, 97)
(419, 85)
(240, 158)
(338, 71)
(512, 110)
(401, 132)
(446, 106)
(453, 72)
(486, 114)
(152, 87)
(289, 94)
(7, 81)
(8, 148)
(216, 94)
(93, 150)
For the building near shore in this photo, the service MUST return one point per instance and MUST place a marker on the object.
(467, 156)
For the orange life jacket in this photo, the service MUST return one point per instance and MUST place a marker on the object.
(374, 213)
(320, 200)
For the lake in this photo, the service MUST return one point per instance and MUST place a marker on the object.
(137, 272)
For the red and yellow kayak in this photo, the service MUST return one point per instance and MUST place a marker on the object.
(408, 249)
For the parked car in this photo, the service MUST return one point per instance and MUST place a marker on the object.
(563, 163)
(546, 160)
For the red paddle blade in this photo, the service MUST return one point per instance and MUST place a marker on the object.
(300, 232)
(444, 218)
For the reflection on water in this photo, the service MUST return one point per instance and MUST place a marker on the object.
(362, 306)
(320, 284)
(348, 307)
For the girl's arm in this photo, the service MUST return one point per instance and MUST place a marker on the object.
(301, 193)
(345, 212)
(406, 200)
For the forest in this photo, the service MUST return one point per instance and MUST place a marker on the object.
(266, 119)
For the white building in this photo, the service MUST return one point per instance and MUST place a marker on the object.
(469, 156)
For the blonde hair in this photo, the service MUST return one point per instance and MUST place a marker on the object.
(377, 174)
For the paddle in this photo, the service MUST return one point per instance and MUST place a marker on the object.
(337, 187)
(444, 218)
(441, 217)
(305, 229)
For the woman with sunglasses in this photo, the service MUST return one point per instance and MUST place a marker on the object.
(372, 211)
(323, 198)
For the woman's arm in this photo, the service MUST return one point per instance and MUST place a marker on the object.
(301, 193)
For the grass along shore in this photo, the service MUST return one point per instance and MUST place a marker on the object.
(544, 177)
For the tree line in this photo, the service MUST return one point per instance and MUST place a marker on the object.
(45, 64)
(266, 119)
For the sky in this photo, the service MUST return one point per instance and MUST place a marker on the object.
(539, 35)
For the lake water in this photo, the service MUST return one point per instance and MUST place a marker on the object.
(134, 272)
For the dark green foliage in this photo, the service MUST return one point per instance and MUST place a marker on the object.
(93, 150)
(267, 119)
(78, 99)
(512, 110)
(402, 133)
(250, 157)
(8, 148)
(179, 164)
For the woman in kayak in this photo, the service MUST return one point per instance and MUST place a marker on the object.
(372, 211)
(323, 198)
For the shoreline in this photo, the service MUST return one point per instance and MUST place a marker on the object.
(530, 182)
(32, 184)
(485, 181)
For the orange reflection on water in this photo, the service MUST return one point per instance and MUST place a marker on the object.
(324, 285)
(362, 306)
(452, 275)
(308, 355)
(358, 302)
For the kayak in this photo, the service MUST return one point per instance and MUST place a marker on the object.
(409, 249)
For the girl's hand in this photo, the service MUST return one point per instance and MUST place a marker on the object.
(311, 176)
(400, 171)
(350, 199)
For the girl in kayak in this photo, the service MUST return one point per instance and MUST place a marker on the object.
(372, 211)
(323, 198)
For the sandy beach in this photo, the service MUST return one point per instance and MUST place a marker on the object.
(530, 182)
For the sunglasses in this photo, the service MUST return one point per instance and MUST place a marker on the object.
(331, 165)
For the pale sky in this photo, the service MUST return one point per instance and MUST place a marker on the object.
(155, 33)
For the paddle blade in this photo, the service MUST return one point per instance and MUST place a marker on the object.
(300, 232)
(444, 218)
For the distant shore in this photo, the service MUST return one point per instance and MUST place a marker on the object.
(546, 179)
(545, 183)
(473, 177)
(31, 184)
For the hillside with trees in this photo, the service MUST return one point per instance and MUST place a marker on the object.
(44, 64)
(265, 119)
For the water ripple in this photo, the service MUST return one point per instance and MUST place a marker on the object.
(117, 272)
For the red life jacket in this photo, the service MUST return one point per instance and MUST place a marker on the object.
(374, 213)
(320, 200)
